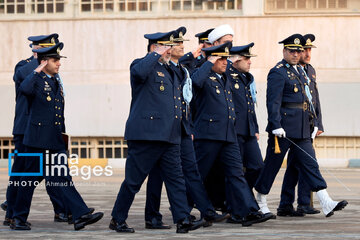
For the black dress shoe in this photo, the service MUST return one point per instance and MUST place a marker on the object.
(235, 219)
(19, 225)
(340, 205)
(252, 218)
(87, 219)
(7, 222)
(187, 225)
(120, 227)
(288, 210)
(212, 216)
(4, 206)
(156, 224)
(271, 215)
(10, 222)
(61, 217)
(307, 209)
(71, 220)
(256, 217)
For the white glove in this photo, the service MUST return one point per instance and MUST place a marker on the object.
(313, 135)
(279, 132)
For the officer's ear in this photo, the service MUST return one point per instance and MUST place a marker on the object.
(151, 47)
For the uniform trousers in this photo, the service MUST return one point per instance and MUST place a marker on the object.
(292, 177)
(59, 180)
(18, 166)
(142, 157)
(238, 194)
(194, 187)
(308, 167)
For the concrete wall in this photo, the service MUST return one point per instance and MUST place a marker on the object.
(99, 52)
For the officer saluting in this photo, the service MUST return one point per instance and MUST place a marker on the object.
(22, 69)
(292, 176)
(194, 60)
(244, 96)
(43, 135)
(215, 135)
(194, 185)
(153, 134)
(289, 111)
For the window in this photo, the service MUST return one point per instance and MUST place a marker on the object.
(103, 147)
(200, 5)
(158, 5)
(12, 6)
(97, 6)
(6, 146)
(116, 147)
(31, 6)
(310, 6)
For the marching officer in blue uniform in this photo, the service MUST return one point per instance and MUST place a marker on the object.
(292, 177)
(215, 135)
(244, 96)
(194, 60)
(22, 69)
(194, 185)
(215, 180)
(153, 134)
(290, 116)
(19, 125)
(44, 135)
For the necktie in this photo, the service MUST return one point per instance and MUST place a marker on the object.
(307, 90)
(187, 91)
(170, 71)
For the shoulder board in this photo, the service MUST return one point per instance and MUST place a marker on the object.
(279, 65)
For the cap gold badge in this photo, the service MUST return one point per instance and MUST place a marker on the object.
(297, 41)
(58, 50)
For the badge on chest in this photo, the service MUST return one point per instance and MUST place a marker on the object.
(47, 87)
(234, 75)
(213, 79)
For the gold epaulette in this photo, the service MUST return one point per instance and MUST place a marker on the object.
(279, 65)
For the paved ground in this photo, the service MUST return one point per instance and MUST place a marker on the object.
(100, 192)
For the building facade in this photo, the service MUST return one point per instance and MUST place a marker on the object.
(102, 37)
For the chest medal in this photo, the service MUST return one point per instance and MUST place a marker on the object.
(236, 86)
(162, 88)
(217, 90)
(48, 98)
(295, 88)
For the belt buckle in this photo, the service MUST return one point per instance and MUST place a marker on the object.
(305, 106)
